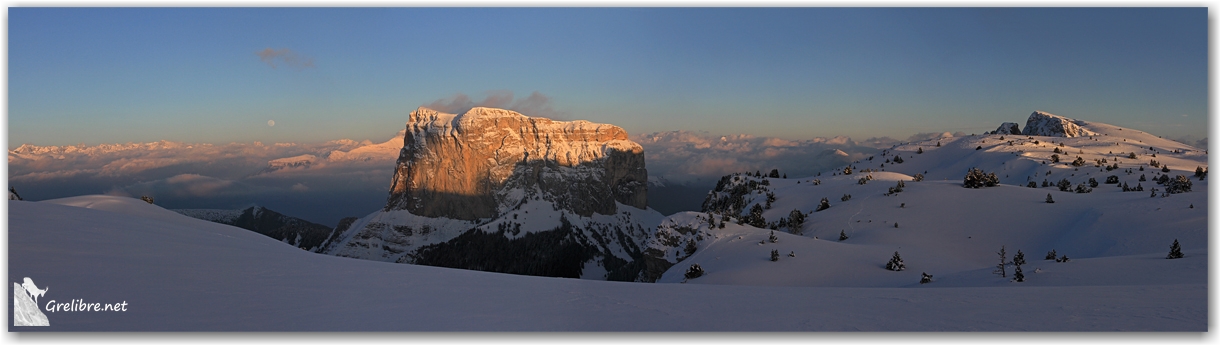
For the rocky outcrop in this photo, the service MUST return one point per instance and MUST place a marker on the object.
(479, 164)
(1008, 128)
(1051, 125)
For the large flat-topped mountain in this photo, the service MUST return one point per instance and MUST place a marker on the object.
(478, 164)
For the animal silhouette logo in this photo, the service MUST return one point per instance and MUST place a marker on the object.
(33, 289)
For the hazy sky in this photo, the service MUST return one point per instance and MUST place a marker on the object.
(219, 75)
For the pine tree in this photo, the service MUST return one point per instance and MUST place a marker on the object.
(842, 235)
(895, 263)
(1000, 269)
(774, 255)
(1018, 259)
(1175, 251)
(1051, 255)
(1017, 276)
(919, 150)
(695, 271)
(824, 205)
(773, 239)
(925, 278)
(1049, 200)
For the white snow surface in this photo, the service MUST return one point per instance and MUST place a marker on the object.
(180, 273)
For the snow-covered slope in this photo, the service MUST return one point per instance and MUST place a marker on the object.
(182, 274)
(954, 233)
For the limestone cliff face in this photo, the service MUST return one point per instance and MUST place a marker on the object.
(479, 164)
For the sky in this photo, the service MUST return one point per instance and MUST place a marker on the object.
(219, 75)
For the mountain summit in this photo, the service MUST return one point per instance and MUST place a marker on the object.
(495, 190)
(1051, 125)
(465, 166)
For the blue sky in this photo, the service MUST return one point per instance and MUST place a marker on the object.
(195, 75)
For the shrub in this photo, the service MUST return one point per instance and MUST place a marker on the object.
(1051, 255)
(1049, 200)
(147, 199)
(1064, 185)
(895, 263)
(925, 278)
(842, 235)
(976, 178)
(822, 206)
(1179, 184)
(695, 271)
(1112, 179)
(1078, 162)
(1175, 251)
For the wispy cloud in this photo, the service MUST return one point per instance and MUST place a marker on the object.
(286, 57)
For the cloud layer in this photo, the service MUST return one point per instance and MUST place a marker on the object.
(230, 176)
(700, 158)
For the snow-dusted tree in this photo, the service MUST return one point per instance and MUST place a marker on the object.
(1063, 258)
(1175, 251)
(918, 177)
(842, 235)
(895, 263)
(1078, 162)
(847, 170)
(796, 218)
(1112, 179)
(791, 254)
(1200, 173)
(1064, 185)
(147, 199)
(1051, 255)
(1055, 158)
(1081, 188)
(1017, 275)
(897, 159)
(825, 204)
(919, 150)
(774, 173)
(1049, 200)
(775, 255)
(1000, 268)
(12, 194)
(772, 238)
(976, 178)
(845, 197)
(1165, 169)
(1046, 183)
(1142, 178)
(756, 218)
(1179, 184)
(1093, 182)
(1032, 184)
(695, 271)
(925, 278)
(1019, 259)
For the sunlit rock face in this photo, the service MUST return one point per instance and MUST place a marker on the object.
(1051, 125)
(474, 165)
